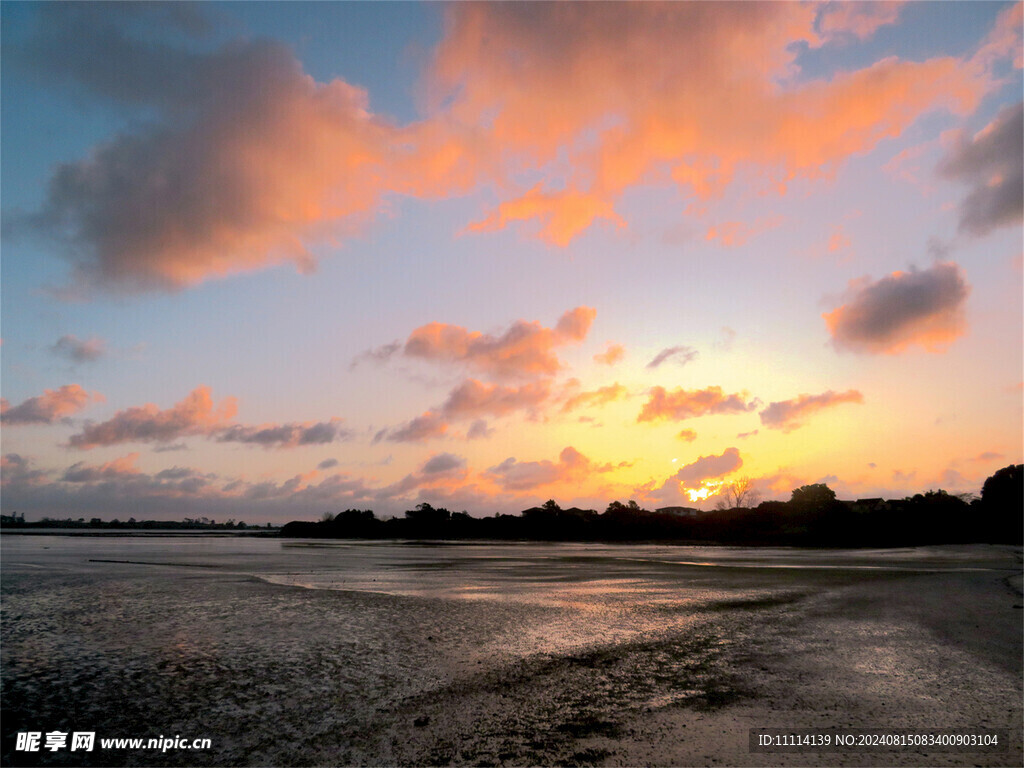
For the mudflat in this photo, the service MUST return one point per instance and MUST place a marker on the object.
(496, 655)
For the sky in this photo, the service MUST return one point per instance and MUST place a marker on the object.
(266, 261)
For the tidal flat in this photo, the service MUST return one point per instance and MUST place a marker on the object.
(294, 652)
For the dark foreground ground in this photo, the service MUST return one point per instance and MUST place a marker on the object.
(281, 675)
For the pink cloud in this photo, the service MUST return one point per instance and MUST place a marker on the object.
(16, 471)
(707, 468)
(788, 415)
(612, 354)
(733, 234)
(80, 472)
(988, 456)
(443, 463)
(922, 307)
(48, 407)
(693, 475)
(681, 355)
(195, 415)
(839, 240)
(478, 430)
(572, 465)
(681, 404)
(473, 399)
(284, 435)
(839, 20)
(526, 349)
(442, 470)
(104, 487)
(425, 427)
(1004, 41)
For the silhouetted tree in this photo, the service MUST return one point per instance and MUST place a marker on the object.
(813, 497)
(738, 494)
(426, 515)
(1005, 488)
(1002, 499)
(618, 506)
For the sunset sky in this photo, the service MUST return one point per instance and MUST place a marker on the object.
(265, 261)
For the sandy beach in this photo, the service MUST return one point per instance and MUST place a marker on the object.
(657, 663)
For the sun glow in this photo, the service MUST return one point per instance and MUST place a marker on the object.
(704, 491)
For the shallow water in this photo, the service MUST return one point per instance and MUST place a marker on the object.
(511, 571)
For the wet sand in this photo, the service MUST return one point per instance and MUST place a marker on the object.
(622, 673)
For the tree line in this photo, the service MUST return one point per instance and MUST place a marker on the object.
(813, 516)
(17, 520)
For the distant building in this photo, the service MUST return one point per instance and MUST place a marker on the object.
(679, 511)
(866, 505)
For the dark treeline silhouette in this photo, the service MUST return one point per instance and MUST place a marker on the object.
(812, 517)
(15, 520)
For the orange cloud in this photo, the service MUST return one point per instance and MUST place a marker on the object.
(687, 435)
(599, 396)
(921, 307)
(612, 354)
(681, 404)
(525, 349)
(46, 408)
(271, 161)
(247, 160)
(561, 215)
(195, 415)
(565, 90)
(787, 415)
